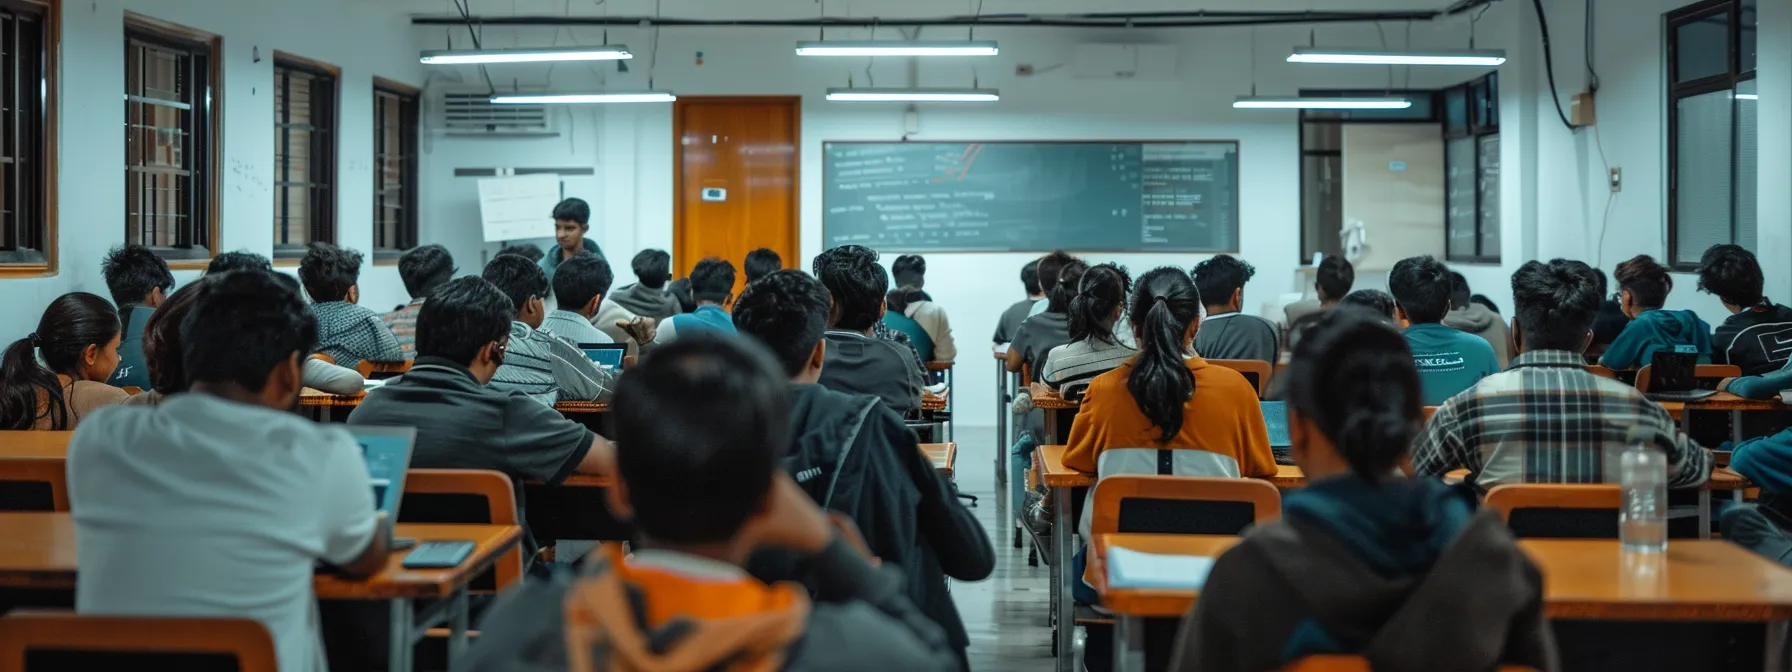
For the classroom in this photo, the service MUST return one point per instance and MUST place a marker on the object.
(649, 334)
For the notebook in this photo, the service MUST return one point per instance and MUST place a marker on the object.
(1275, 417)
(1134, 569)
(388, 454)
(605, 355)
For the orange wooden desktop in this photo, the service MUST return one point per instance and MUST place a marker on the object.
(24, 444)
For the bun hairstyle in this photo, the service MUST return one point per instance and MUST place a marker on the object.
(1102, 291)
(1648, 282)
(1070, 278)
(1164, 304)
(29, 391)
(1352, 375)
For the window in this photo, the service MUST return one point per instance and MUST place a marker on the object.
(170, 125)
(304, 155)
(1472, 171)
(1711, 128)
(26, 233)
(394, 169)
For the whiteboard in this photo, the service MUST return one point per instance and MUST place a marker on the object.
(513, 208)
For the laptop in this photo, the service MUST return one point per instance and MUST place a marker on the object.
(388, 454)
(1275, 417)
(1673, 375)
(605, 355)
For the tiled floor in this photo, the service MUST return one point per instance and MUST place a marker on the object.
(1005, 614)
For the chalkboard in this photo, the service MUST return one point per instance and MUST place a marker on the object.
(1032, 196)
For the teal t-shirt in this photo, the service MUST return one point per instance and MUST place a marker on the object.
(1449, 360)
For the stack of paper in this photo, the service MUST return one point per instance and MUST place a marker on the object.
(1133, 569)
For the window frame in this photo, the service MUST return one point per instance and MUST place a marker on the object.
(323, 185)
(38, 187)
(206, 132)
(1676, 91)
(1482, 119)
(410, 99)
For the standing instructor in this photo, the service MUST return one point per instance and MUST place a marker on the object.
(572, 220)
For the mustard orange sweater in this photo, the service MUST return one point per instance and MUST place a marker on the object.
(1223, 416)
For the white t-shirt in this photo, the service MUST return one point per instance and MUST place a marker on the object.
(209, 507)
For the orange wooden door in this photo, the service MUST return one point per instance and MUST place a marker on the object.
(745, 147)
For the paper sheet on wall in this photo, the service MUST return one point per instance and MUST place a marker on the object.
(514, 208)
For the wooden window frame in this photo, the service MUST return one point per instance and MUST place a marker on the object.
(410, 99)
(323, 185)
(206, 132)
(1481, 96)
(37, 188)
(1676, 91)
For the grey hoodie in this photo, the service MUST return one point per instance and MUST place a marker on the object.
(1478, 320)
(645, 301)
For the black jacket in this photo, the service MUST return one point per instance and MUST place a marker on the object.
(855, 456)
(1757, 339)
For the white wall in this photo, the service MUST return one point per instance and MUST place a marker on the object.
(365, 40)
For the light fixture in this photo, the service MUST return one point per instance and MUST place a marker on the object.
(872, 48)
(914, 95)
(1475, 57)
(542, 55)
(1748, 96)
(584, 98)
(1302, 103)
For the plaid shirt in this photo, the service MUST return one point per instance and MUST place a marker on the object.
(1546, 419)
(403, 323)
(351, 334)
(549, 369)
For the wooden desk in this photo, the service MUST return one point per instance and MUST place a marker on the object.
(942, 455)
(1052, 401)
(588, 481)
(22, 444)
(1722, 401)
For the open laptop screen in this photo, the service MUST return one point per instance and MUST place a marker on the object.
(606, 355)
(388, 454)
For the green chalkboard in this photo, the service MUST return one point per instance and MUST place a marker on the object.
(1032, 196)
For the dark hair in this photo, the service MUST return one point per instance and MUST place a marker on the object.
(1483, 300)
(1421, 287)
(246, 324)
(712, 280)
(1049, 267)
(680, 290)
(760, 263)
(1164, 303)
(240, 260)
(461, 317)
(530, 252)
(1648, 282)
(1604, 284)
(898, 299)
(1219, 277)
(328, 271)
(1459, 292)
(1555, 303)
(573, 210)
(580, 279)
(857, 283)
(1029, 276)
(517, 277)
(788, 312)
(1059, 294)
(910, 270)
(1334, 277)
(132, 272)
(701, 424)
(1733, 274)
(71, 323)
(652, 268)
(161, 336)
(425, 268)
(1372, 299)
(1103, 290)
(1352, 375)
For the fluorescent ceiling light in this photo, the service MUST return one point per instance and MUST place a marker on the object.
(1476, 57)
(588, 98)
(544, 55)
(1748, 96)
(869, 48)
(1295, 103)
(914, 95)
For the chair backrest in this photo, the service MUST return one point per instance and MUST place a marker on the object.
(465, 496)
(1708, 375)
(1558, 511)
(1602, 371)
(80, 642)
(378, 370)
(1253, 370)
(1182, 504)
(33, 484)
(1357, 664)
(323, 358)
(1429, 411)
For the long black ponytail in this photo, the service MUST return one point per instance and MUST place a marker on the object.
(71, 323)
(1102, 291)
(1164, 304)
(1352, 375)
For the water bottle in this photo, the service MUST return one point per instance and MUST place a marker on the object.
(1643, 515)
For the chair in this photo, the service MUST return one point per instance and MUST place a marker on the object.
(1182, 504)
(1357, 664)
(33, 484)
(1556, 511)
(324, 358)
(26, 635)
(1428, 412)
(1602, 371)
(379, 370)
(1256, 372)
(1705, 373)
(465, 496)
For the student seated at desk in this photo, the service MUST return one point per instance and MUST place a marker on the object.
(910, 273)
(1643, 287)
(1093, 349)
(712, 285)
(1752, 335)
(1450, 360)
(222, 501)
(77, 339)
(1469, 314)
(547, 369)
(1049, 326)
(857, 457)
(1229, 333)
(347, 332)
(1009, 324)
(857, 362)
(1376, 301)
(1332, 280)
(648, 296)
(139, 281)
(1546, 418)
(422, 269)
(760, 263)
(580, 284)
(1401, 571)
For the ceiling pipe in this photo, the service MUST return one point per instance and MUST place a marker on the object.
(1198, 19)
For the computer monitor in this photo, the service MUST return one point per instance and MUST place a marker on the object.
(388, 454)
(605, 355)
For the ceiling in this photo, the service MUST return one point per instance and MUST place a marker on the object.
(804, 9)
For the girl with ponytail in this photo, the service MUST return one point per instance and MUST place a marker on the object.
(77, 340)
(1050, 329)
(1093, 350)
(1362, 539)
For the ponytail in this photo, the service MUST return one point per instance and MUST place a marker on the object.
(1164, 304)
(1102, 291)
(1069, 278)
(29, 391)
(1352, 375)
